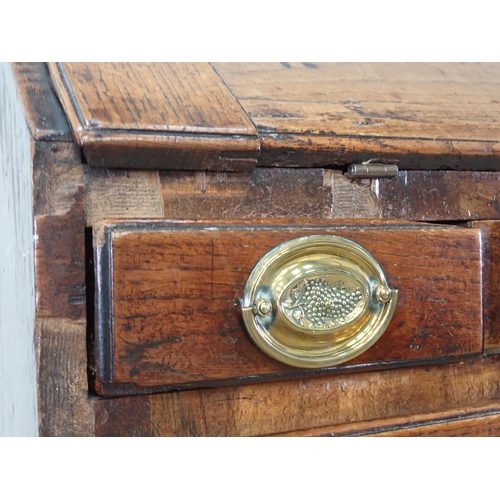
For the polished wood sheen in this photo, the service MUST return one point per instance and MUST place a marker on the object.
(146, 115)
(231, 116)
(313, 406)
(425, 116)
(118, 161)
(168, 309)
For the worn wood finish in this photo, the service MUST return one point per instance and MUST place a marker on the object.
(266, 193)
(424, 115)
(490, 234)
(483, 420)
(173, 294)
(64, 404)
(165, 115)
(42, 111)
(124, 417)
(186, 116)
(435, 196)
(309, 403)
(479, 426)
(122, 194)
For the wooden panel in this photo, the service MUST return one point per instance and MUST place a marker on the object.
(59, 226)
(174, 316)
(125, 417)
(325, 113)
(427, 196)
(144, 115)
(43, 113)
(65, 407)
(60, 258)
(123, 194)
(469, 421)
(266, 193)
(343, 398)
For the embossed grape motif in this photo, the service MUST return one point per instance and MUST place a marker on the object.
(314, 303)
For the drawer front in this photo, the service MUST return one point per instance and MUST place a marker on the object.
(168, 312)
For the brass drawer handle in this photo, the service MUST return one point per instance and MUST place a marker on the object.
(317, 301)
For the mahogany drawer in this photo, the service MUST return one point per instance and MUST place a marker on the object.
(167, 299)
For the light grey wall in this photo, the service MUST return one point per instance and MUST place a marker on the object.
(18, 396)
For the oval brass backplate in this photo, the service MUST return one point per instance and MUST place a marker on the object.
(317, 301)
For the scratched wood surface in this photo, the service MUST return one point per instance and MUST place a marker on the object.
(163, 115)
(426, 115)
(311, 406)
(228, 116)
(175, 291)
(42, 111)
(433, 196)
(479, 421)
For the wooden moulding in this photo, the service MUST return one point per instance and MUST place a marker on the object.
(169, 115)
(167, 299)
(226, 116)
(477, 421)
(490, 233)
(355, 403)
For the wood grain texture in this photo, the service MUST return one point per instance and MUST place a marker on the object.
(43, 113)
(478, 421)
(490, 234)
(164, 115)
(290, 150)
(59, 227)
(175, 290)
(58, 178)
(18, 398)
(64, 404)
(479, 426)
(342, 398)
(266, 193)
(435, 196)
(60, 262)
(186, 116)
(123, 417)
(122, 194)
(426, 115)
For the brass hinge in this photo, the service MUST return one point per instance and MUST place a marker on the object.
(371, 170)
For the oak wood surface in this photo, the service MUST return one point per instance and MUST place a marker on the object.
(164, 115)
(63, 394)
(59, 225)
(42, 111)
(433, 196)
(483, 420)
(226, 116)
(424, 115)
(116, 193)
(266, 193)
(479, 426)
(490, 234)
(310, 405)
(175, 290)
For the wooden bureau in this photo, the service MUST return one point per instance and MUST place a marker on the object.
(138, 198)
